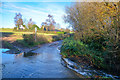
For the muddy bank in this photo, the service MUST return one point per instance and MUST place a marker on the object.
(16, 48)
(8, 45)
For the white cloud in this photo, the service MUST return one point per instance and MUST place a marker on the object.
(59, 0)
(38, 14)
(39, 0)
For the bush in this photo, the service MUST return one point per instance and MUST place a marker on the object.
(72, 47)
(100, 59)
(43, 39)
(22, 43)
(58, 37)
(29, 38)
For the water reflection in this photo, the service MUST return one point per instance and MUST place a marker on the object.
(33, 65)
(19, 55)
(30, 54)
(4, 50)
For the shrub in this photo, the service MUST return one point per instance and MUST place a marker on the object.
(100, 59)
(43, 39)
(23, 43)
(29, 38)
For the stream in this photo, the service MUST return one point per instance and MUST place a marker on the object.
(46, 62)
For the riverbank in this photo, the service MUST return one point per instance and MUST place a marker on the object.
(87, 71)
(16, 48)
(25, 42)
(10, 46)
(80, 53)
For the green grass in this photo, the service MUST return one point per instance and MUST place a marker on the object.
(6, 29)
(21, 33)
(29, 32)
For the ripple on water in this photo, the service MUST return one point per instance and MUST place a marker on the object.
(87, 71)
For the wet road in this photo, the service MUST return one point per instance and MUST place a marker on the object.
(44, 63)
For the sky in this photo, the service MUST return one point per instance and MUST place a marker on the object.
(38, 11)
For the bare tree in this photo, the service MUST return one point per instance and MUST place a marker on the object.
(30, 23)
(51, 22)
(18, 20)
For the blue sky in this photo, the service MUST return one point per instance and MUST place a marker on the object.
(38, 11)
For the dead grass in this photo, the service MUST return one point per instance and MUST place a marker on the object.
(13, 36)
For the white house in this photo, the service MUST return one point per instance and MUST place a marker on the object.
(21, 27)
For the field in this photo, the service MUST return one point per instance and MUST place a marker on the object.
(27, 39)
(11, 36)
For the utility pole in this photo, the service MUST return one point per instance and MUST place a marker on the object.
(35, 34)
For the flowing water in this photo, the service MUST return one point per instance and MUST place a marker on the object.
(87, 71)
(45, 62)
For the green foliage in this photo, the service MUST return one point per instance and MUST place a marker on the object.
(96, 40)
(100, 59)
(73, 47)
(96, 25)
(33, 27)
(25, 26)
(60, 32)
(58, 37)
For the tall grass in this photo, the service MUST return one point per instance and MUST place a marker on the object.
(29, 39)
